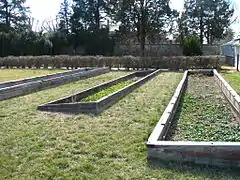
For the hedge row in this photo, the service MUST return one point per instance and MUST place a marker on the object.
(173, 63)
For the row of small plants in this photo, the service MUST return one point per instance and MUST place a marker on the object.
(108, 91)
(202, 117)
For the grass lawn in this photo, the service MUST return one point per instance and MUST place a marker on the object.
(228, 68)
(14, 74)
(233, 79)
(38, 145)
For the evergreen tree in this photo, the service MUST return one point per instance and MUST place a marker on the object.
(13, 14)
(209, 19)
(89, 13)
(64, 18)
(218, 19)
(87, 27)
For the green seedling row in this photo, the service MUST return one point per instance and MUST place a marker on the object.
(108, 91)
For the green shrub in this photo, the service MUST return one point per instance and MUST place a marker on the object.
(191, 46)
(172, 63)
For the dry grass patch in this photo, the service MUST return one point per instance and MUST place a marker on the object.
(233, 79)
(14, 74)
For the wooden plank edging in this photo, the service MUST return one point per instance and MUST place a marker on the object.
(221, 154)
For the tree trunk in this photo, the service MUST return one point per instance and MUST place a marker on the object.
(237, 62)
(7, 18)
(201, 26)
(66, 17)
(201, 30)
(142, 29)
(142, 44)
(97, 16)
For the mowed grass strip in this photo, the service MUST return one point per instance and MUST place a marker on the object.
(205, 114)
(233, 78)
(37, 145)
(17, 74)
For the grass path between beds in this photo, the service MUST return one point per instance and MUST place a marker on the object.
(17, 74)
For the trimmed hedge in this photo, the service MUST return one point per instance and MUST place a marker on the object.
(172, 63)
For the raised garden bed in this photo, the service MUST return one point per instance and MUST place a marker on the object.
(26, 86)
(43, 77)
(201, 123)
(97, 99)
(108, 91)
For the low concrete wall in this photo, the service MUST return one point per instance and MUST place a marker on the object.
(34, 86)
(163, 49)
(66, 104)
(223, 154)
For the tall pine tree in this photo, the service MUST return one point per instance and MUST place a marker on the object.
(87, 30)
(89, 13)
(64, 16)
(208, 19)
(13, 14)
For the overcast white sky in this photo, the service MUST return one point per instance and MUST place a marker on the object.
(48, 9)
